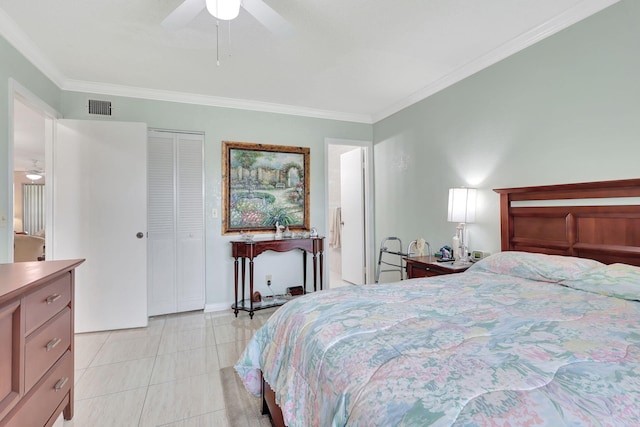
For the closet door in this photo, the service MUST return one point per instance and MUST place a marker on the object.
(161, 224)
(176, 222)
(190, 226)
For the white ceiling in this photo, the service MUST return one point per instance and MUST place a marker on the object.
(358, 60)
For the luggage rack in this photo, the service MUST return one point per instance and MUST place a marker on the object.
(400, 267)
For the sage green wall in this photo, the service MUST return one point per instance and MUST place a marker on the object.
(218, 124)
(14, 66)
(223, 124)
(564, 110)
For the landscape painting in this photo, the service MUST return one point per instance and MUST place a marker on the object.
(264, 185)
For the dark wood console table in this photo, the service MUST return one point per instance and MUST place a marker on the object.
(250, 249)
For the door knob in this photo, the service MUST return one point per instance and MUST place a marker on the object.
(140, 235)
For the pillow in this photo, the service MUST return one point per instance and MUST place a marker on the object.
(615, 280)
(534, 266)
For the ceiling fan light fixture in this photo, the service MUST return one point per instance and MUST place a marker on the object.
(33, 176)
(224, 10)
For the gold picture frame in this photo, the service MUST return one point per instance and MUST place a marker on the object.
(264, 184)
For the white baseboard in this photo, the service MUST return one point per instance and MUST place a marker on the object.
(223, 306)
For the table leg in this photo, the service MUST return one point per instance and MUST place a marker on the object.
(304, 271)
(315, 272)
(321, 270)
(235, 281)
(251, 288)
(244, 265)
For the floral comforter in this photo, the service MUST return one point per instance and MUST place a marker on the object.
(519, 339)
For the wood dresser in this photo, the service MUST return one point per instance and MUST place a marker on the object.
(36, 342)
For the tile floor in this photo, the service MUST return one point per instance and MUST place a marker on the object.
(164, 375)
(336, 280)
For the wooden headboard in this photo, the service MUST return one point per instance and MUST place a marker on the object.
(581, 228)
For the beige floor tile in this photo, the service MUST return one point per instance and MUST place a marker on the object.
(176, 354)
(123, 350)
(118, 409)
(229, 353)
(113, 378)
(185, 321)
(155, 327)
(181, 340)
(182, 399)
(77, 374)
(212, 419)
(222, 317)
(87, 346)
(237, 331)
(183, 364)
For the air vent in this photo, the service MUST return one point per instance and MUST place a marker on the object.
(101, 108)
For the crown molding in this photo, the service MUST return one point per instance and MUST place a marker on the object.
(23, 44)
(16, 37)
(571, 16)
(212, 101)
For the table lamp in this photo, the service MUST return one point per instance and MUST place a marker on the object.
(462, 209)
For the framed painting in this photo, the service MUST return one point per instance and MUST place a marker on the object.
(263, 185)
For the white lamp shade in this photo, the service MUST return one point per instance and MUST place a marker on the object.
(462, 205)
(33, 176)
(225, 10)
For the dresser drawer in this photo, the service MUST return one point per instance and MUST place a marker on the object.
(42, 304)
(46, 345)
(46, 396)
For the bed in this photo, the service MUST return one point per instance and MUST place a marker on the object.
(546, 332)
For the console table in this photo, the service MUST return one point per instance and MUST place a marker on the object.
(243, 250)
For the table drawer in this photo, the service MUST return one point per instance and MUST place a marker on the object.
(42, 304)
(46, 396)
(415, 271)
(46, 345)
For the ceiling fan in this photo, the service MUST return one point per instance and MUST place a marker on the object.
(226, 10)
(35, 173)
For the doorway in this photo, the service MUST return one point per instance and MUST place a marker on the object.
(359, 250)
(30, 146)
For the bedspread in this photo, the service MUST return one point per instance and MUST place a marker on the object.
(476, 348)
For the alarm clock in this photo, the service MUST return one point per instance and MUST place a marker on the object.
(478, 255)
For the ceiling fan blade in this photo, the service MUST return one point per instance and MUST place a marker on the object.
(183, 14)
(268, 17)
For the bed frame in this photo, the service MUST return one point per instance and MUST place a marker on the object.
(585, 229)
(566, 219)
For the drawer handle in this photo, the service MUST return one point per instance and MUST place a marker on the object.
(53, 298)
(53, 343)
(61, 382)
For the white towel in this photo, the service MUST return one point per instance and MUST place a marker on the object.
(335, 228)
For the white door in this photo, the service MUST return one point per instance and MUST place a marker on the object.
(352, 204)
(176, 262)
(100, 214)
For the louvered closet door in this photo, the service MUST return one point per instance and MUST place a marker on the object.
(190, 226)
(161, 225)
(176, 222)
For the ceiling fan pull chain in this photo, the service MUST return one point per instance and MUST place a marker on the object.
(229, 38)
(218, 42)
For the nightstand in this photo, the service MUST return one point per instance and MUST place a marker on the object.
(427, 266)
